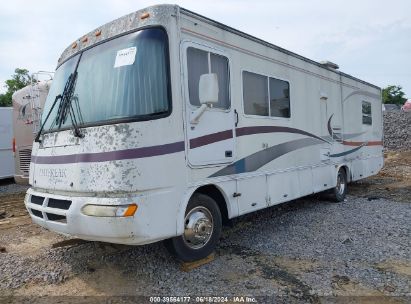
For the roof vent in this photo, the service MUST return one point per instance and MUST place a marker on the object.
(330, 65)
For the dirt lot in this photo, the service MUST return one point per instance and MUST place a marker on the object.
(393, 181)
(310, 251)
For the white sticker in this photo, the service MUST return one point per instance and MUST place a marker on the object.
(125, 57)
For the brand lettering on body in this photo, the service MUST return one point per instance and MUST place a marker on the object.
(53, 173)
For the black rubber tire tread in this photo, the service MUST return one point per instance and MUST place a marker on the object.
(177, 247)
(336, 196)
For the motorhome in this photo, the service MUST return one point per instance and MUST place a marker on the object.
(28, 103)
(6, 136)
(164, 124)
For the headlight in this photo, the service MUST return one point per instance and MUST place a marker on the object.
(109, 211)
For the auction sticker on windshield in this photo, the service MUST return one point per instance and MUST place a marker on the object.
(125, 57)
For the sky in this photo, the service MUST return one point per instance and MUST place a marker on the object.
(368, 39)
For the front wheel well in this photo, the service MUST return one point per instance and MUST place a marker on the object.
(215, 193)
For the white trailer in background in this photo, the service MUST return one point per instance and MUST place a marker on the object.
(163, 124)
(6, 139)
(28, 105)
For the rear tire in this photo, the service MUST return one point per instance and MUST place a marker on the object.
(340, 190)
(202, 229)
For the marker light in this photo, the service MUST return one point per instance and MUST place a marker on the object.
(145, 16)
(109, 211)
(97, 33)
(84, 40)
(14, 145)
(74, 45)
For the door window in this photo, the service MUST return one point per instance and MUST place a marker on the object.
(201, 62)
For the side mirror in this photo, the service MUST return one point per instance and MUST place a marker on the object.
(208, 89)
(207, 93)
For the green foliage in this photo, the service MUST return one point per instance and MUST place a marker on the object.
(19, 80)
(393, 94)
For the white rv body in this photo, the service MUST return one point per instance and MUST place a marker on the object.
(6, 139)
(245, 162)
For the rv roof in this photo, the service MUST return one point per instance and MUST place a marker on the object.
(268, 44)
(161, 13)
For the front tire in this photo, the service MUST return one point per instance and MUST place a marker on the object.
(202, 229)
(340, 190)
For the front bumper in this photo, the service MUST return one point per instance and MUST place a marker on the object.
(63, 214)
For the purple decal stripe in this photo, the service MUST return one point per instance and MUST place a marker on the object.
(271, 129)
(164, 149)
(112, 155)
(220, 136)
(210, 138)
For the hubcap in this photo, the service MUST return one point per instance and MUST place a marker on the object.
(340, 183)
(198, 227)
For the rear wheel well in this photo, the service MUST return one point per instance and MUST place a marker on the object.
(347, 172)
(215, 193)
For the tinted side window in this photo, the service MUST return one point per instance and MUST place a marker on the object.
(202, 62)
(279, 98)
(255, 94)
(366, 113)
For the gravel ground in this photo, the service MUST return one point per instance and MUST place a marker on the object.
(8, 187)
(307, 249)
(302, 251)
(397, 131)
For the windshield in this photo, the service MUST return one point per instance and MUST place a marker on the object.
(121, 79)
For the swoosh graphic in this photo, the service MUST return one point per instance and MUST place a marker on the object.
(346, 152)
(223, 135)
(351, 135)
(263, 157)
(361, 92)
(274, 129)
(330, 131)
(362, 143)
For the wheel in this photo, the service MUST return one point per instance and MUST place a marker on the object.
(202, 229)
(340, 189)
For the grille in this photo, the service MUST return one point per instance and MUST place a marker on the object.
(56, 204)
(36, 213)
(56, 217)
(38, 200)
(25, 157)
(59, 204)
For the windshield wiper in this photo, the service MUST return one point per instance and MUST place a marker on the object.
(58, 97)
(73, 116)
(66, 108)
(37, 138)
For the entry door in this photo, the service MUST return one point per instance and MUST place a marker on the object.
(211, 140)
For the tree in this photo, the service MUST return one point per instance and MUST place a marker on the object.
(19, 79)
(393, 94)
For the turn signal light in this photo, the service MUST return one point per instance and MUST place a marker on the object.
(110, 211)
(131, 209)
